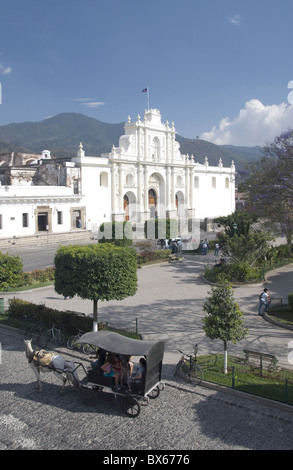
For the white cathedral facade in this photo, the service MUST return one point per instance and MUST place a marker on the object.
(145, 177)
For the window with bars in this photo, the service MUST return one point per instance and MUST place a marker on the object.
(25, 219)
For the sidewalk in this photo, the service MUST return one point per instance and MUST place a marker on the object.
(168, 307)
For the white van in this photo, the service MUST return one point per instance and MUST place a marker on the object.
(163, 244)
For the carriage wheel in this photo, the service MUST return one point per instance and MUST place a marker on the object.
(131, 407)
(154, 393)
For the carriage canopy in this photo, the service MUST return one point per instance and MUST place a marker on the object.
(119, 344)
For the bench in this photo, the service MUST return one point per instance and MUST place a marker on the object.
(262, 357)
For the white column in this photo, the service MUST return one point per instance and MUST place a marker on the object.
(120, 192)
(113, 192)
(146, 193)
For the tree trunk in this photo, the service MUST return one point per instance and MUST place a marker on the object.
(95, 316)
(225, 358)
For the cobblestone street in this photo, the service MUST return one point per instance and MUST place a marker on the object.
(179, 419)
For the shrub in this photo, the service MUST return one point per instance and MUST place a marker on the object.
(290, 301)
(149, 256)
(10, 270)
(22, 309)
(119, 233)
(234, 272)
(34, 277)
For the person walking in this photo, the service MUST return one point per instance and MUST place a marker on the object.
(264, 300)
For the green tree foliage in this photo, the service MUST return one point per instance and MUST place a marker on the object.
(240, 241)
(245, 248)
(161, 228)
(96, 272)
(10, 270)
(240, 223)
(269, 183)
(224, 319)
(119, 233)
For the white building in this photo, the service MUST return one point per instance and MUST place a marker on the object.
(146, 176)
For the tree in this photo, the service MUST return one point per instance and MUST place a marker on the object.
(224, 318)
(96, 272)
(241, 248)
(10, 270)
(240, 223)
(269, 183)
(119, 233)
(160, 228)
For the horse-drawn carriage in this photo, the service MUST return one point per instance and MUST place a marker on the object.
(94, 380)
(150, 384)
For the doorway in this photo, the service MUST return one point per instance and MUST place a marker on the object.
(43, 222)
(152, 203)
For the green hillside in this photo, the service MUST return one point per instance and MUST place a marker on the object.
(62, 134)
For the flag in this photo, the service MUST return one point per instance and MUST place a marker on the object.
(144, 90)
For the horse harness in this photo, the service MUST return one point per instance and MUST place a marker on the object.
(42, 358)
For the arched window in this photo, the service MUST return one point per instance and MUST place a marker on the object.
(227, 183)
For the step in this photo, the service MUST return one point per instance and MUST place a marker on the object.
(50, 238)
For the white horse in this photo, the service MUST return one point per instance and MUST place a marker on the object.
(44, 361)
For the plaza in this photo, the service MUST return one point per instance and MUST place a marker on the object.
(168, 306)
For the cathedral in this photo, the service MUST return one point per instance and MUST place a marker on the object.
(145, 177)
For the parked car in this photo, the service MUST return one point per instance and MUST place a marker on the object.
(164, 244)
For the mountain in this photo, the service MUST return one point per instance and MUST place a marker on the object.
(201, 148)
(62, 134)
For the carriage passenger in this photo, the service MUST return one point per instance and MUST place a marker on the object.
(110, 371)
(127, 367)
(138, 375)
(100, 357)
(117, 366)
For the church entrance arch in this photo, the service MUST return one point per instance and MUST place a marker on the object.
(156, 195)
(129, 206)
(152, 203)
(179, 202)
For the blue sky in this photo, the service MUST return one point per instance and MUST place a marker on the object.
(219, 69)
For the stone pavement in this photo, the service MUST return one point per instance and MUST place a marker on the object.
(168, 307)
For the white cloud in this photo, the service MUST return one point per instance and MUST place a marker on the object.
(93, 104)
(5, 70)
(89, 102)
(235, 19)
(256, 124)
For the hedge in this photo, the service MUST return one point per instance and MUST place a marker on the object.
(26, 310)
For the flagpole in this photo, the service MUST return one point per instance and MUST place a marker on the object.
(147, 91)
